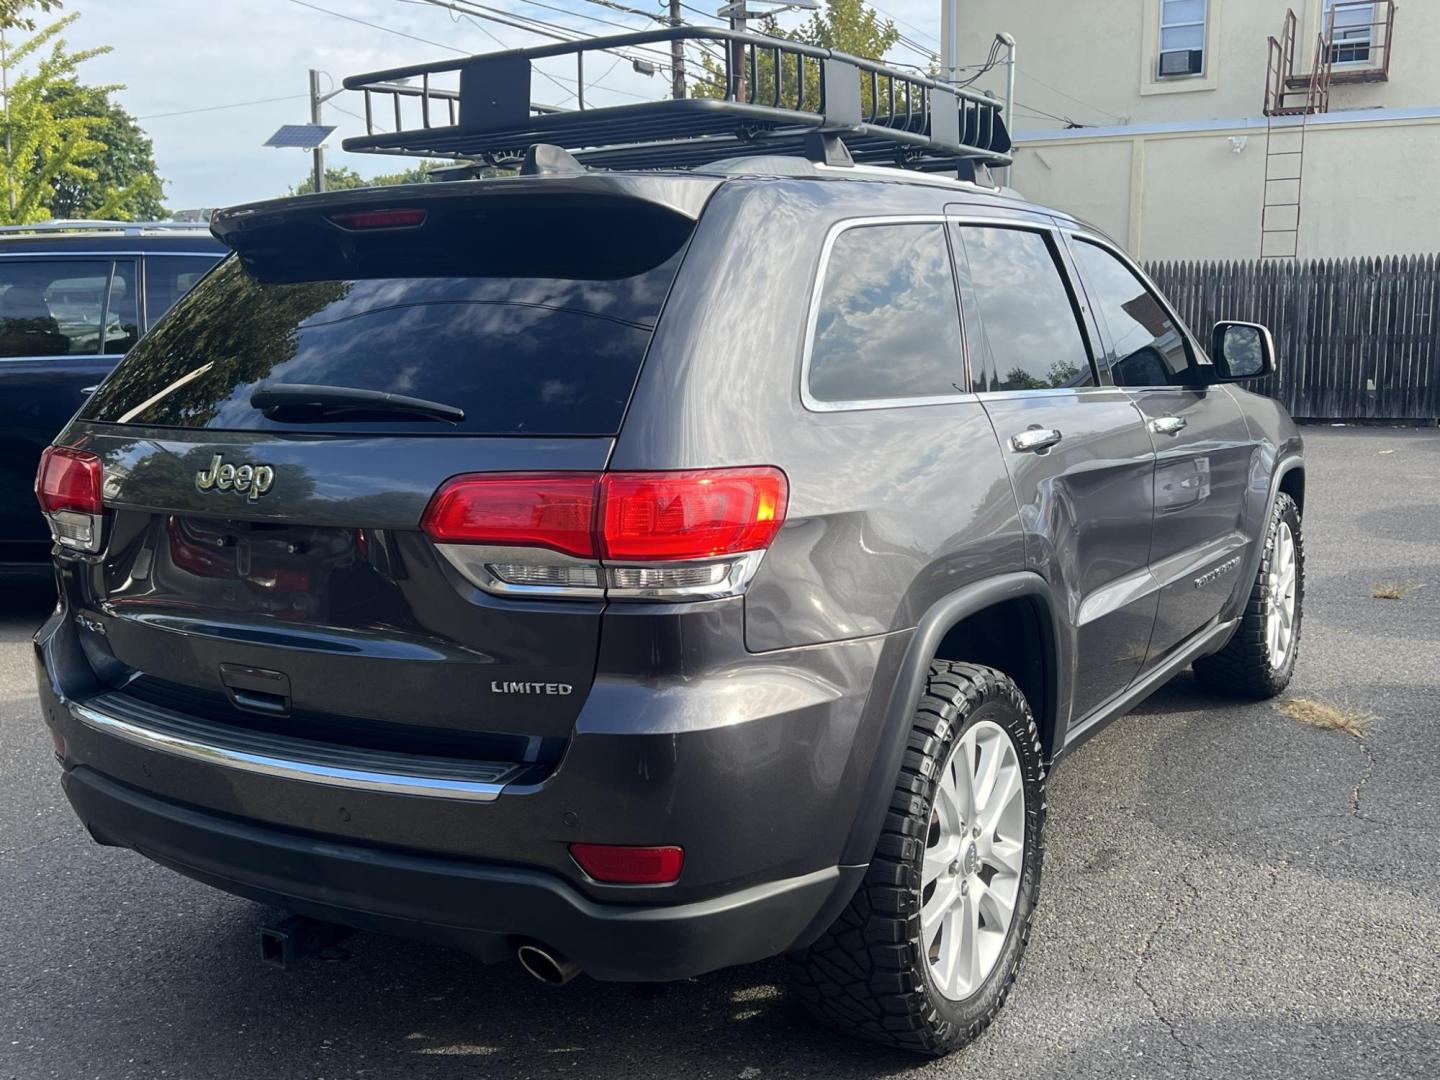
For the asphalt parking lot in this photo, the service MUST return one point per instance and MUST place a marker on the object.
(1227, 893)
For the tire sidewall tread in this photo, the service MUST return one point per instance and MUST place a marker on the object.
(869, 971)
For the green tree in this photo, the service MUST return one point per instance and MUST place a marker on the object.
(14, 13)
(848, 26)
(126, 184)
(40, 145)
(342, 178)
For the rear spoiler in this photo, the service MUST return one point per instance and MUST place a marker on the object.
(679, 195)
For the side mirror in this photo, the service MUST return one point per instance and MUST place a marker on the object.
(1242, 351)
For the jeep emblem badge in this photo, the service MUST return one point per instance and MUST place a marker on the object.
(252, 481)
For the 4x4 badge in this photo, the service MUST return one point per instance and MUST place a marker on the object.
(251, 481)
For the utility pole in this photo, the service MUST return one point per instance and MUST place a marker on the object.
(677, 55)
(9, 155)
(738, 21)
(1008, 40)
(950, 41)
(319, 151)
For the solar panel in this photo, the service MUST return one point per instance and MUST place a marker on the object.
(301, 136)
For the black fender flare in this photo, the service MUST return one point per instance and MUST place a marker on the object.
(1241, 595)
(909, 684)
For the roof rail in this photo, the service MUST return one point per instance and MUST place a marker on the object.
(129, 228)
(776, 93)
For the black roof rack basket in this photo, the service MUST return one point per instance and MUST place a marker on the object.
(788, 91)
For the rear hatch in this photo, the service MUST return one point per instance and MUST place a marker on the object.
(271, 447)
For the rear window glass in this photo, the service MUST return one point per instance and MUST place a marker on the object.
(520, 355)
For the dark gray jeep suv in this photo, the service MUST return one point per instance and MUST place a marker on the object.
(649, 572)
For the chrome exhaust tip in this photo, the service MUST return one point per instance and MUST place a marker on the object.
(550, 968)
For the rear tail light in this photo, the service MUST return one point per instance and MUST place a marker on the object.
(657, 516)
(623, 865)
(68, 485)
(545, 510)
(693, 534)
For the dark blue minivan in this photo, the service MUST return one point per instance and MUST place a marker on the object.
(74, 296)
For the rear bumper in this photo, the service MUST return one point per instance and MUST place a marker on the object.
(468, 905)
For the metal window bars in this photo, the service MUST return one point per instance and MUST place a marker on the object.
(775, 93)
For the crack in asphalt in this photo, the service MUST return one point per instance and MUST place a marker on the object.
(1365, 777)
(1142, 959)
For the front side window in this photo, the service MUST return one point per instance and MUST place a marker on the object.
(888, 322)
(1147, 346)
(1018, 314)
(54, 307)
(1182, 37)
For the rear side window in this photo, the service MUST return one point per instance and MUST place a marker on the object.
(66, 307)
(1147, 347)
(530, 355)
(1023, 331)
(887, 324)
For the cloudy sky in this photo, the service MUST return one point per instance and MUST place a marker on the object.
(176, 57)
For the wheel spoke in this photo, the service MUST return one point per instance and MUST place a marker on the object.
(997, 909)
(1008, 856)
(939, 858)
(987, 772)
(940, 904)
(1007, 786)
(969, 917)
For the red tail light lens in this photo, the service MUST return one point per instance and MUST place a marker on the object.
(548, 510)
(379, 219)
(619, 865)
(69, 479)
(621, 516)
(659, 516)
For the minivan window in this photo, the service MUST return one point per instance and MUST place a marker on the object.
(519, 355)
(1147, 347)
(1019, 318)
(53, 307)
(888, 322)
(169, 277)
(122, 314)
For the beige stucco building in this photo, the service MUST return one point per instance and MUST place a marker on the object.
(1175, 145)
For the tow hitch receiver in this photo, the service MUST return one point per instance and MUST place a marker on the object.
(285, 941)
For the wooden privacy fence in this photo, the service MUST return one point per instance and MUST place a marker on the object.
(1357, 339)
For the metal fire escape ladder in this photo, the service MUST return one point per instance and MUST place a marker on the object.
(1285, 140)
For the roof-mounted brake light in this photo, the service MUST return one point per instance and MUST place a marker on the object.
(379, 219)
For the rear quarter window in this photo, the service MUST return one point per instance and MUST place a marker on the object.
(887, 323)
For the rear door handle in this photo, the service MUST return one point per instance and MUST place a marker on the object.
(1168, 425)
(88, 390)
(1034, 440)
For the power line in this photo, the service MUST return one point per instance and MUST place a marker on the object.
(376, 26)
(473, 12)
(1072, 97)
(216, 108)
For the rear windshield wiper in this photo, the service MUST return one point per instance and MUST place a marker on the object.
(315, 402)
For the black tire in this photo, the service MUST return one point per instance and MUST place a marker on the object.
(870, 972)
(1245, 666)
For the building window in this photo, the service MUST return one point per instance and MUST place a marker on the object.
(1351, 27)
(1182, 37)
